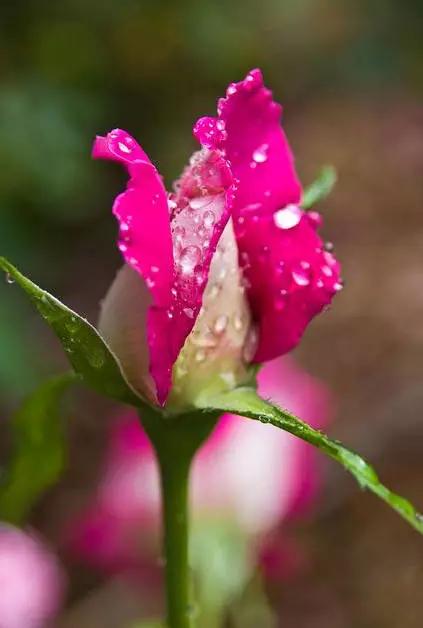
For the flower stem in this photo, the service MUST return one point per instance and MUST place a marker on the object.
(176, 441)
(174, 479)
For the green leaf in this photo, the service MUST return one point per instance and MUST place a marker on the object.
(38, 450)
(245, 402)
(87, 352)
(320, 188)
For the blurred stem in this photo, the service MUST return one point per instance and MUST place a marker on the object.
(176, 441)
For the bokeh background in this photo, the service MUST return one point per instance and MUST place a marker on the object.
(350, 76)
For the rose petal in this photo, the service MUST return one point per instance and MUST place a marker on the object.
(146, 245)
(290, 277)
(174, 263)
(201, 208)
(123, 324)
(248, 130)
(211, 360)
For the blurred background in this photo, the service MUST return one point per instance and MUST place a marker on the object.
(350, 76)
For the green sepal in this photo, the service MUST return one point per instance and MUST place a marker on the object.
(88, 353)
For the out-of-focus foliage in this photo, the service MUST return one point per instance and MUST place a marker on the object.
(38, 452)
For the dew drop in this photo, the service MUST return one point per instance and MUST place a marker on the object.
(329, 246)
(172, 204)
(188, 311)
(220, 324)
(200, 355)
(96, 358)
(178, 233)
(189, 258)
(208, 219)
(329, 259)
(315, 219)
(260, 155)
(301, 273)
(214, 291)
(251, 344)
(238, 323)
(9, 279)
(327, 271)
(288, 217)
(124, 148)
(204, 339)
(337, 286)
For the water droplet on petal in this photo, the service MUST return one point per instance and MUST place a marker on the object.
(124, 148)
(301, 273)
(189, 258)
(208, 219)
(329, 246)
(200, 356)
(327, 270)
(337, 286)
(329, 259)
(261, 153)
(204, 339)
(188, 311)
(288, 217)
(214, 291)
(220, 324)
(251, 344)
(315, 219)
(238, 323)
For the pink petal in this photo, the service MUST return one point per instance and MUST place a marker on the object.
(201, 208)
(248, 130)
(172, 254)
(145, 241)
(290, 277)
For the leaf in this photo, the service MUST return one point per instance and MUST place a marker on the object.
(245, 402)
(38, 453)
(320, 188)
(87, 352)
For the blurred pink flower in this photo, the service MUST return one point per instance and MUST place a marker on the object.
(31, 580)
(250, 476)
(230, 262)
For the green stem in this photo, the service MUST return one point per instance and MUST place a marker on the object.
(174, 480)
(176, 441)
